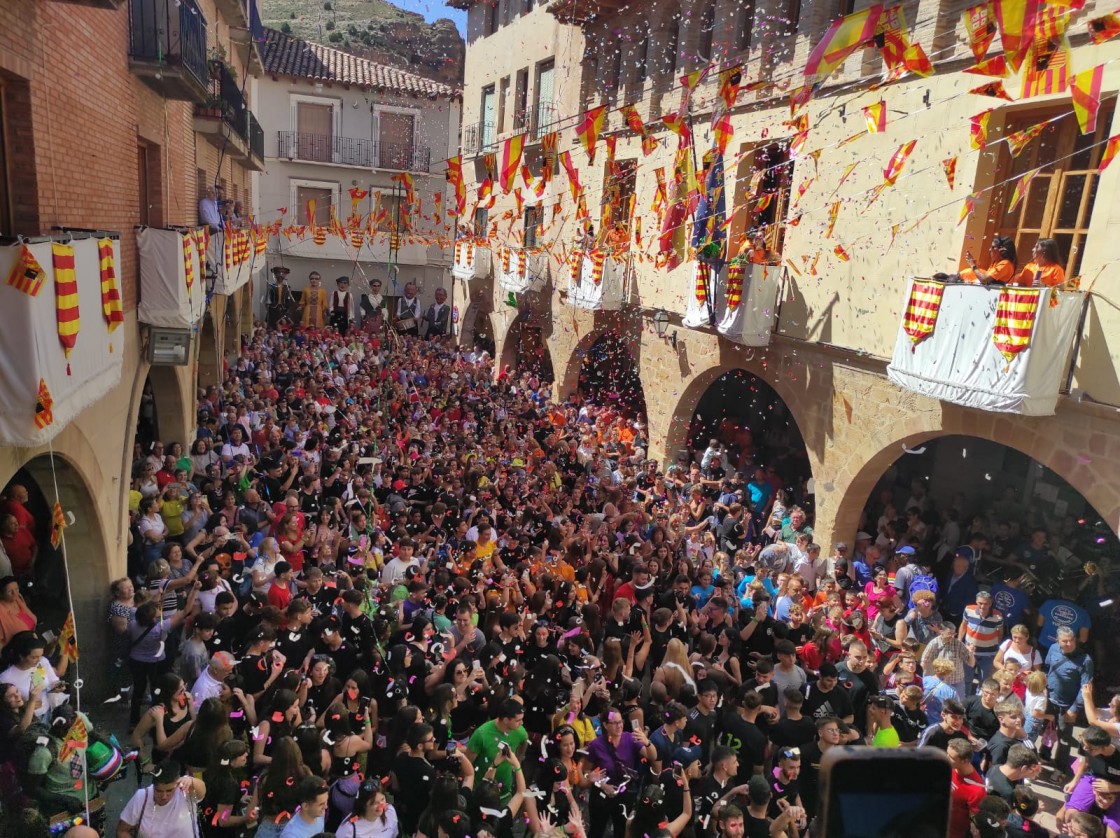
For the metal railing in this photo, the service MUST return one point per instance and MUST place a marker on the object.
(255, 136)
(479, 137)
(168, 32)
(545, 115)
(351, 151)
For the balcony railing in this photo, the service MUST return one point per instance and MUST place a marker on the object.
(545, 116)
(167, 47)
(987, 347)
(479, 138)
(351, 151)
(255, 136)
(225, 103)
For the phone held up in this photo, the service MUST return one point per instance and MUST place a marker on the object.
(884, 793)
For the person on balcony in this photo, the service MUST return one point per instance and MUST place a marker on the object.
(342, 306)
(314, 303)
(438, 316)
(208, 211)
(1002, 263)
(1045, 267)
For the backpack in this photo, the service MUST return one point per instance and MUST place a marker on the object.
(921, 582)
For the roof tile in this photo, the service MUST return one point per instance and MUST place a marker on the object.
(285, 55)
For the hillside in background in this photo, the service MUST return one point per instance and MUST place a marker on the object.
(374, 29)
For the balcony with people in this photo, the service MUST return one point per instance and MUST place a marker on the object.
(994, 336)
(167, 48)
(225, 120)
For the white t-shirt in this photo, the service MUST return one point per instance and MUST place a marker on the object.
(205, 687)
(1026, 662)
(22, 679)
(178, 818)
(361, 828)
(1034, 701)
(395, 568)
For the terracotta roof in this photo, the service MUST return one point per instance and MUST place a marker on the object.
(284, 55)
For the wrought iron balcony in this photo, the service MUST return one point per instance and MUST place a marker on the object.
(226, 121)
(352, 151)
(480, 138)
(167, 47)
(545, 116)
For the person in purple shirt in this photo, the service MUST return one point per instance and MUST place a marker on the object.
(615, 758)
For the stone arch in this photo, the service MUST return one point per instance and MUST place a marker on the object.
(86, 554)
(622, 339)
(209, 350)
(524, 346)
(1099, 486)
(171, 407)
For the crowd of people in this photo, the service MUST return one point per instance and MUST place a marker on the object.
(385, 591)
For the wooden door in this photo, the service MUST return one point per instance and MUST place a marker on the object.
(315, 131)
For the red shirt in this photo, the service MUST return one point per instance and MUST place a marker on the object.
(279, 595)
(24, 518)
(21, 550)
(967, 792)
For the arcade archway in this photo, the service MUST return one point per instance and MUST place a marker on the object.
(608, 375)
(48, 478)
(966, 486)
(753, 424)
(525, 347)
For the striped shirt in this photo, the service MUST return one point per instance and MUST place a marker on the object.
(984, 632)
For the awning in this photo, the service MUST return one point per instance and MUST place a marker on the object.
(172, 277)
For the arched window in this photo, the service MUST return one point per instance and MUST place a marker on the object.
(671, 44)
(707, 24)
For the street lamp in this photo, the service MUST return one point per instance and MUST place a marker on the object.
(661, 326)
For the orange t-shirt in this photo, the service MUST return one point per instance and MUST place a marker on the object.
(1002, 272)
(1034, 274)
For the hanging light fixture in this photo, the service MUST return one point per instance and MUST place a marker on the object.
(661, 326)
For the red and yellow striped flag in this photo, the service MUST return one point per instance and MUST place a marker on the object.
(309, 210)
(598, 259)
(511, 161)
(574, 186)
(575, 266)
(455, 178)
(1015, 319)
(892, 36)
(76, 739)
(922, 309)
(966, 208)
(67, 637)
(588, 129)
(703, 276)
(994, 66)
(729, 81)
(876, 116)
(841, 253)
(833, 214)
(898, 161)
(723, 131)
(44, 406)
(1021, 139)
(27, 275)
(980, 24)
(66, 298)
(1110, 150)
(1085, 88)
(844, 36)
(188, 267)
(949, 165)
(1104, 28)
(679, 125)
(916, 61)
(1022, 187)
(735, 273)
(1016, 20)
(406, 180)
(110, 291)
(978, 129)
(993, 89)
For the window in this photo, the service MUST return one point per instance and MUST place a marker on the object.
(521, 100)
(314, 124)
(534, 217)
(845, 7)
(793, 16)
(1059, 200)
(669, 53)
(390, 219)
(323, 193)
(489, 116)
(503, 100)
(396, 135)
(638, 54)
(618, 195)
(527, 6)
(150, 192)
(745, 27)
(762, 195)
(706, 38)
(491, 10)
(481, 217)
(19, 202)
(544, 113)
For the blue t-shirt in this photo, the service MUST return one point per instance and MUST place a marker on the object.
(298, 828)
(1056, 613)
(702, 595)
(1012, 603)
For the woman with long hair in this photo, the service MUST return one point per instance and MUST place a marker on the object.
(168, 720)
(374, 816)
(277, 788)
(15, 616)
(222, 814)
(675, 671)
(445, 796)
(283, 718)
(210, 729)
(346, 747)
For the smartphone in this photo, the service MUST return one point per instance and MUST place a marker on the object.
(884, 792)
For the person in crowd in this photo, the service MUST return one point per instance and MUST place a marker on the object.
(438, 316)
(1045, 267)
(313, 303)
(167, 807)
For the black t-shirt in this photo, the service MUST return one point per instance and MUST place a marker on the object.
(755, 827)
(793, 733)
(255, 669)
(705, 793)
(703, 728)
(415, 776)
(746, 740)
(819, 704)
(221, 791)
(810, 774)
(294, 644)
(860, 687)
(1104, 767)
(762, 639)
(908, 724)
(782, 790)
(981, 721)
(999, 785)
